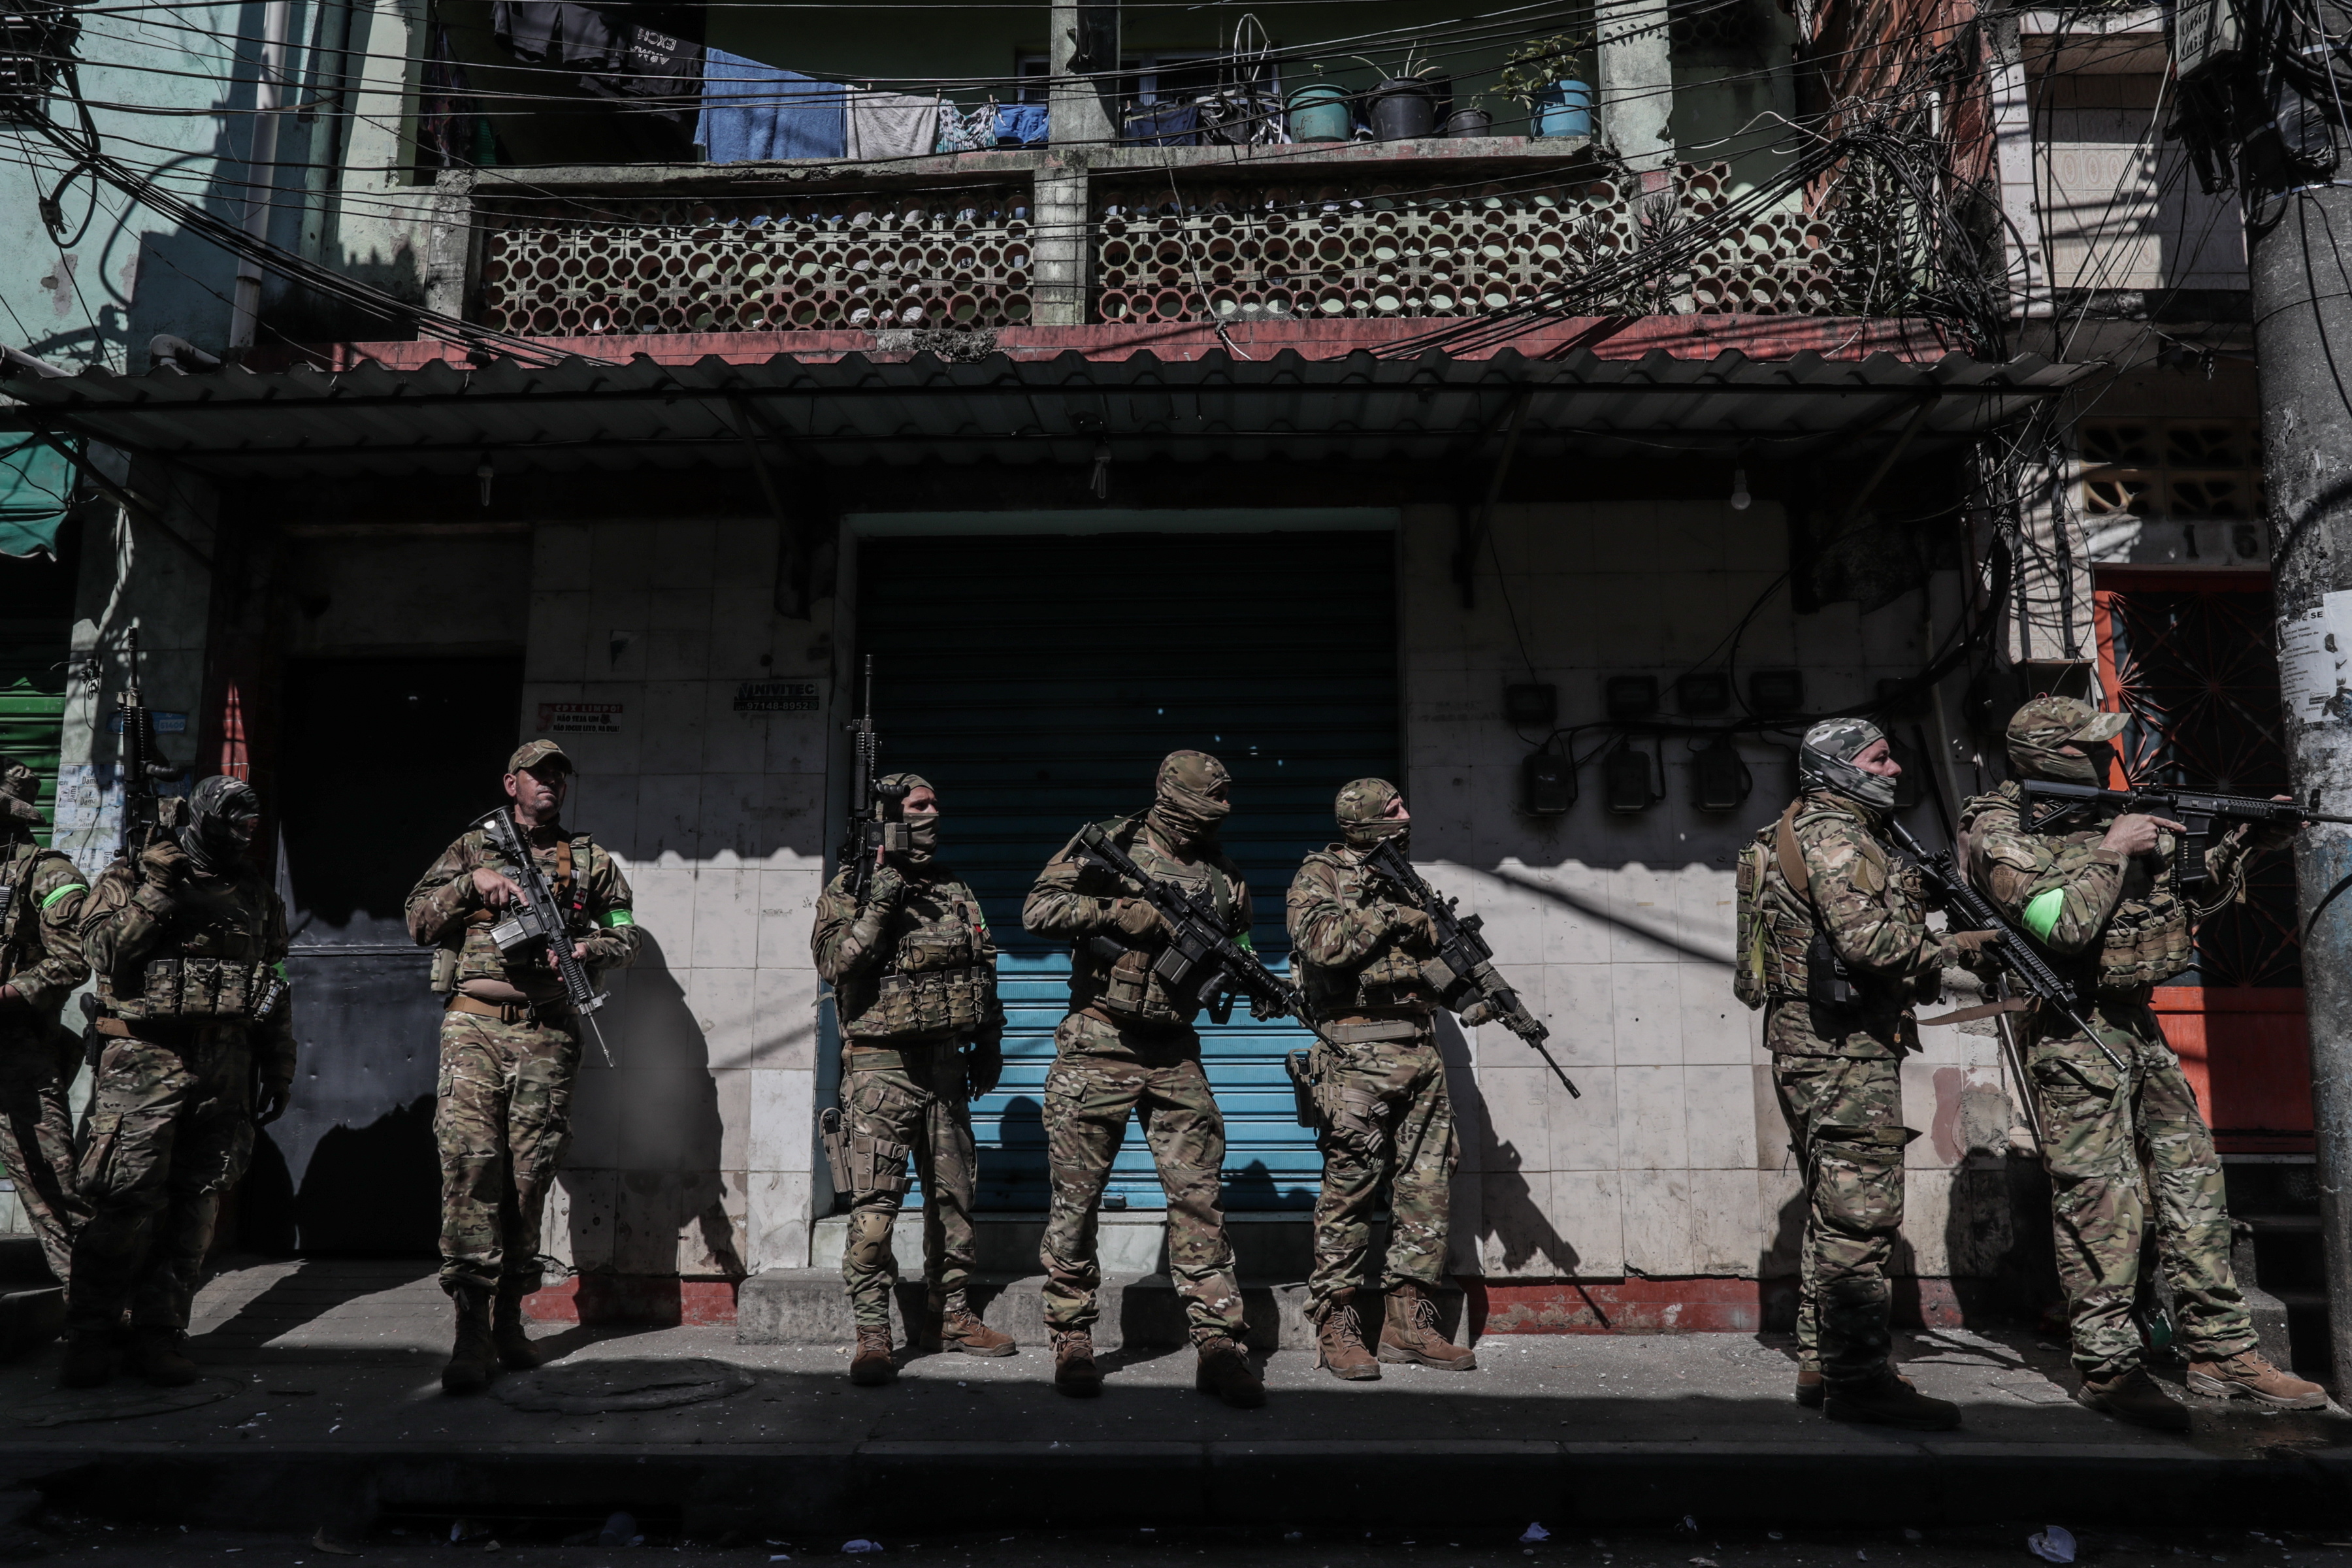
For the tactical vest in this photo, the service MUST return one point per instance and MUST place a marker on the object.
(1127, 988)
(469, 952)
(215, 971)
(2147, 940)
(1782, 944)
(940, 975)
(19, 917)
(1389, 979)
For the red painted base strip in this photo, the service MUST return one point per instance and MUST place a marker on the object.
(1697, 1306)
(657, 1301)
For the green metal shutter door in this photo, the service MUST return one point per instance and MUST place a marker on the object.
(33, 702)
(1037, 682)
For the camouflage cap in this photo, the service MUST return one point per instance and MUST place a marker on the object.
(1362, 800)
(1842, 738)
(20, 787)
(1195, 771)
(2049, 722)
(531, 754)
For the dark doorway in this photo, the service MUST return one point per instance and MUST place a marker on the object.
(386, 760)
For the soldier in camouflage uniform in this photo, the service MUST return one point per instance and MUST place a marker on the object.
(188, 945)
(1847, 955)
(1128, 1047)
(41, 894)
(1381, 1087)
(2095, 893)
(510, 1052)
(914, 984)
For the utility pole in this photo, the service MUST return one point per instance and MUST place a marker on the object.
(261, 171)
(2303, 342)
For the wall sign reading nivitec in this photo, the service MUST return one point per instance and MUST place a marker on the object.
(580, 718)
(776, 697)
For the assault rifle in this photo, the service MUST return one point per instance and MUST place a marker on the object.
(2198, 811)
(538, 923)
(1464, 969)
(1203, 963)
(875, 820)
(1965, 909)
(140, 766)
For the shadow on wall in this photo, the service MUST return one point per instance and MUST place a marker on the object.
(1510, 1214)
(668, 1210)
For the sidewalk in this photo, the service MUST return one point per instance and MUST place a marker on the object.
(322, 1408)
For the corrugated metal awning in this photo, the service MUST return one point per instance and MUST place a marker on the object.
(857, 408)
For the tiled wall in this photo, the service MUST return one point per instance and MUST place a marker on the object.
(1618, 929)
(692, 1155)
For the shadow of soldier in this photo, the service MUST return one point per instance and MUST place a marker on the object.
(1501, 1207)
(646, 1203)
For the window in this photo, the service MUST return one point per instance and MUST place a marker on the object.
(33, 39)
(2173, 493)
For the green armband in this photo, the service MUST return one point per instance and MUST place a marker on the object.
(612, 917)
(1244, 943)
(2042, 911)
(61, 892)
(278, 969)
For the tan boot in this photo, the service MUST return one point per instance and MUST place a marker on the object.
(1810, 1388)
(2248, 1375)
(156, 1356)
(472, 1357)
(1075, 1373)
(2134, 1396)
(1887, 1400)
(956, 1327)
(1412, 1333)
(870, 1364)
(1225, 1372)
(513, 1346)
(1340, 1341)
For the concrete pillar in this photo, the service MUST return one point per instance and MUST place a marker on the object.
(449, 244)
(1637, 90)
(1083, 40)
(1060, 236)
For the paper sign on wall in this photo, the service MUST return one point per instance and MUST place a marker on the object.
(2316, 658)
(580, 718)
(776, 697)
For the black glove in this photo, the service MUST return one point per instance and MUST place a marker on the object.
(983, 1064)
(270, 1102)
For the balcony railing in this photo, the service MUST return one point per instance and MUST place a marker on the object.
(1404, 230)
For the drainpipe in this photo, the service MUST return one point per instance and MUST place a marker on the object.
(262, 172)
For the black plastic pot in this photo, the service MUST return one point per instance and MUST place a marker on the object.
(1402, 107)
(1469, 122)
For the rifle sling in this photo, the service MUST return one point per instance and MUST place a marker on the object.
(1984, 1010)
(1792, 861)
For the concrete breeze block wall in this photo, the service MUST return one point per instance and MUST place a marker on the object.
(691, 1156)
(1618, 929)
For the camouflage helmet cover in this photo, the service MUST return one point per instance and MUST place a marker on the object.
(2040, 732)
(1360, 807)
(1825, 762)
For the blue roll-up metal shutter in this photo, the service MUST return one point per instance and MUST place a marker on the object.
(1037, 682)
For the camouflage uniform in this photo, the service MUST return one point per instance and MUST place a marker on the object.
(1379, 1065)
(503, 1115)
(185, 950)
(914, 979)
(1836, 1070)
(1128, 1046)
(40, 957)
(2115, 927)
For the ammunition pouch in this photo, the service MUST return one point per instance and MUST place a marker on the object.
(1302, 1090)
(445, 971)
(224, 990)
(877, 1165)
(1133, 990)
(1829, 986)
(1345, 1114)
(2145, 943)
(931, 1001)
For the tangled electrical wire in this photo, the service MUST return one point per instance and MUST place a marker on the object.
(2266, 86)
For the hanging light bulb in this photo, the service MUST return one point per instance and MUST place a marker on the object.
(1740, 496)
(485, 474)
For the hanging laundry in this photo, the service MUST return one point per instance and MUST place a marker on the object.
(1165, 125)
(1021, 124)
(892, 124)
(659, 72)
(960, 133)
(558, 32)
(752, 112)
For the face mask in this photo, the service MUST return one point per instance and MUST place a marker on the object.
(1359, 809)
(1185, 813)
(2049, 762)
(922, 835)
(1820, 765)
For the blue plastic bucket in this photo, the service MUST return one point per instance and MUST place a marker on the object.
(1565, 111)
(1319, 112)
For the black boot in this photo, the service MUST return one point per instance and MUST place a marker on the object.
(157, 1356)
(474, 1355)
(1885, 1399)
(514, 1348)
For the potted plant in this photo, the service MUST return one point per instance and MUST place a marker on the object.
(1541, 75)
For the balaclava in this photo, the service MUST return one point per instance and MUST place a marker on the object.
(211, 837)
(1359, 809)
(922, 826)
(1183, 814)
(2038, 730)
(1825, 761)
(19, 788)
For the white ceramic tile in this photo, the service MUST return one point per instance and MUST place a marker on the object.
(682, 557)
(792, 820)
(733, 743)
(625, 553)
(1517, 1235)
(673, 726)
(1653, 1121)
(589, 1197)
(1714, 1021)
(1720, 1104)
(1781, 1217)
(725, 1007)
(596, 1097)
(557, 647)
(669, 1117)
(713, 1233)
(778, 1224)
(788, 899)
(801, 742)
(1657, 1206)
(732, 1088)
(783, 1118)
(1580, 1008)
(1723, 1240)
(726, 917)
(664, 906)
(1584, 1130)
(561, 556)
(1576, 917)
(785, 1017)
(1514, 1111)
(669, 814)
(618, 632)
(1647, 1024)
(1588, 1225)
